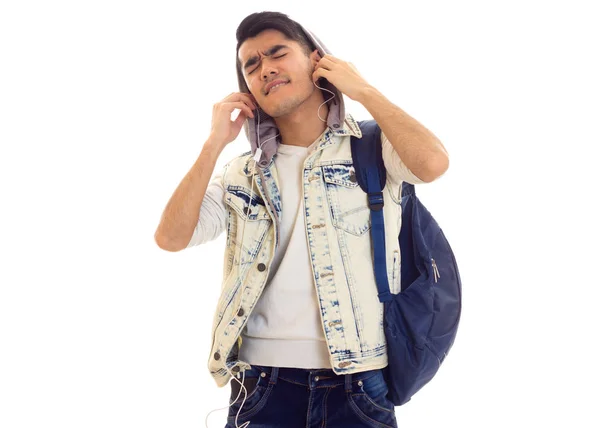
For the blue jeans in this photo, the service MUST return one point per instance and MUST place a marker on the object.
(311, 398)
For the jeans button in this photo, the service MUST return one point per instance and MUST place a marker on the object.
(261, 267)
(217, 356)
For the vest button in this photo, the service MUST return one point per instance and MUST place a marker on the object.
(353, 177)
(246, 210)
(235, 369)
(217, 356)
(241, 312)
(261, 267)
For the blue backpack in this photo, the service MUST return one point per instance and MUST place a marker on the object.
(421, 321)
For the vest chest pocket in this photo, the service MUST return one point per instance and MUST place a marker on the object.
(251, 212)
(348, 203)
(238, 198)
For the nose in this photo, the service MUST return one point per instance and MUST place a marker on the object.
(268, 71)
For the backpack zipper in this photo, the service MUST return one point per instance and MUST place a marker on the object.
(435, 270)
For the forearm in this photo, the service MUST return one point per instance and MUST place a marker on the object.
(180, 216)
(418, 148)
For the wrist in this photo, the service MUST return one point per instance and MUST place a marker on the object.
(211, 150)
(213, 144)
(366, 94)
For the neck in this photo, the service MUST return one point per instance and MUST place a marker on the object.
(303, 126)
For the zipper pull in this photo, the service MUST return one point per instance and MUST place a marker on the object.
(436, 272)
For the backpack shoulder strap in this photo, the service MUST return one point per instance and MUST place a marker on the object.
(370, 175)
(367, 158)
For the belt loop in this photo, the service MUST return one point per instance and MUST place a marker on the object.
(348, 382)
(274, 374)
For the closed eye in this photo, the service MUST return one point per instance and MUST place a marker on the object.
(275, 57)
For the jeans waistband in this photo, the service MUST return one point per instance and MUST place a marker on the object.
(312, 378)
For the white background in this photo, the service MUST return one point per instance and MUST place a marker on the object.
(104, 107)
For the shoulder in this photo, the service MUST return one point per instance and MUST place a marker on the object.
(240, 159)
(232, 168)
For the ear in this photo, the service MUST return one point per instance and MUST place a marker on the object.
(315, 58)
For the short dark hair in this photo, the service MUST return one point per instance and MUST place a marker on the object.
(255, 23)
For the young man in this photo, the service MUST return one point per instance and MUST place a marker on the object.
(298, 328)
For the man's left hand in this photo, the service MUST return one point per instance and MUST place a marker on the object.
(343, 75)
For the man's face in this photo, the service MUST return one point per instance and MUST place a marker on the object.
(269, 57)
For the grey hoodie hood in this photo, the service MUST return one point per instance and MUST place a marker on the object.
(268, 128)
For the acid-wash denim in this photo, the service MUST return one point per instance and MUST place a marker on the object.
(337, 224)
(307, 398)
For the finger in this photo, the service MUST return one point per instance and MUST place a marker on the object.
(240, 119)
(228, 97)
(329, 59)
(326, 60)
(249, 95)
(242, 106)
(252, 102)
(319, 72)
(326, 65)
(241, 96)
(246, 100)
(249, 99)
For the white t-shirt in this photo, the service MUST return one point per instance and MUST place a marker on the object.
(285, 327)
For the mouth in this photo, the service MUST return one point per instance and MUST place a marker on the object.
(276, 87)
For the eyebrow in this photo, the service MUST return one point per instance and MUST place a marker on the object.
(271, 51)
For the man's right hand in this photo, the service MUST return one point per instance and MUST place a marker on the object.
(223, 129)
